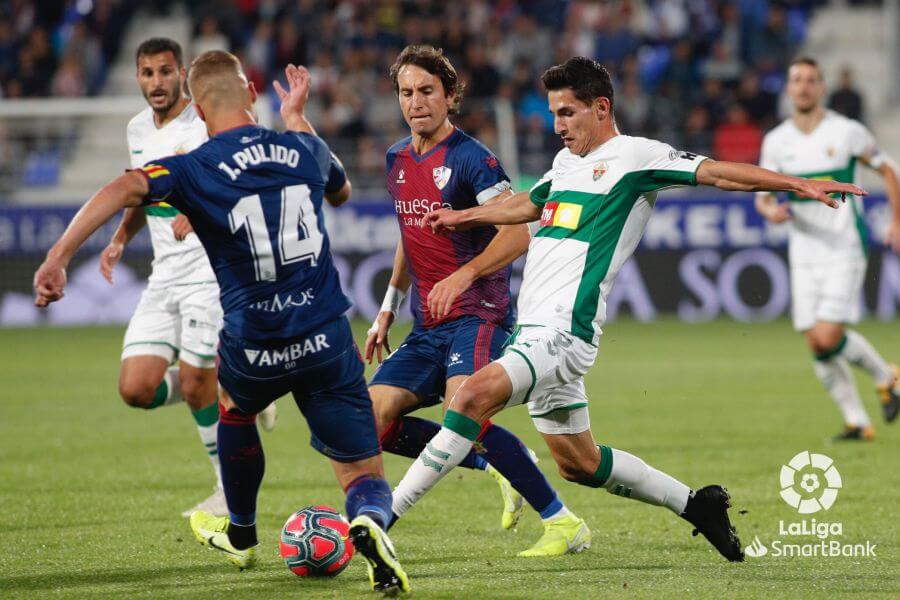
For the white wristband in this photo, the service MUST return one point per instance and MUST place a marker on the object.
(393, 298)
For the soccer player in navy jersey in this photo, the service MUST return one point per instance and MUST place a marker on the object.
(254, 198)
(460, 296)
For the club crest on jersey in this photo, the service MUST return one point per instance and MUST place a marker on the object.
(600, 170)
(561, 214)
(441, 176)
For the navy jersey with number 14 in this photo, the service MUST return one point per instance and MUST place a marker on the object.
(254, 198)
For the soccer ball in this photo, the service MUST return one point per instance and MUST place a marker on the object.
(315, 542)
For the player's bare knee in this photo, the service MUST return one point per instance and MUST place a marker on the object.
(822, 340)
(385, 413)
(388, 405)
(137, 392)
(574, 470)
(195, 391)
(473, 399)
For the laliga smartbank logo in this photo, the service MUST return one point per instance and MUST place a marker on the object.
(810, 483)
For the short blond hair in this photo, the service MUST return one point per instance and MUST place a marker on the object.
(216, 79)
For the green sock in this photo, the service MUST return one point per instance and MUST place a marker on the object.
(168, 392)
(161, 395)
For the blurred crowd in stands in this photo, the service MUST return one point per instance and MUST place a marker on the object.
(59, 48)
(701, 74)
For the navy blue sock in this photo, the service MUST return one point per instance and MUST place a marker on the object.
(407, 436)
(243, 464)
(507, 454)
(369, 495)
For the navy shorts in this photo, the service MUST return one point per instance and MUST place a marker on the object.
(428, 357)
(324, 373)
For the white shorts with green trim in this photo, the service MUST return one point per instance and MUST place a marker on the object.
(180, 321)
(547, 367)
(826, 292)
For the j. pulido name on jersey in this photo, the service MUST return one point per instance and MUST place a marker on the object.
(258, 154)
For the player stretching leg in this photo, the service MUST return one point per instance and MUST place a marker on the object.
(460, 291)
(593, 206)
(179, 313)
(254, 198)
(827, 249)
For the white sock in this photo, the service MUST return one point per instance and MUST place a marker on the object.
(445, 450)
(209, 435)
(631, 477)
(562, 512)
(860, 353)
(837, 379)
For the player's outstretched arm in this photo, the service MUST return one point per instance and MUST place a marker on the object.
(126, 190)
(377, 337)
(293, 100)
(889, 171)
(132, 222)
(741, 177)
(510, 243)
(513, 210)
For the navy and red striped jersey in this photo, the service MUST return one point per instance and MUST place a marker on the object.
(458, 173)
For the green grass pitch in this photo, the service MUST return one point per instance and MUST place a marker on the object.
(91, 490)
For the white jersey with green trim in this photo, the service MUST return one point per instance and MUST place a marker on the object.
(830, 151)
(174, 262)
(594, 211)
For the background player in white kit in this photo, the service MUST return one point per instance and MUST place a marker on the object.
(179, 313)
(827, 248)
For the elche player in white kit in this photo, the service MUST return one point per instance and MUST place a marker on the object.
(593, 205)
(179, 315)
(828, 248)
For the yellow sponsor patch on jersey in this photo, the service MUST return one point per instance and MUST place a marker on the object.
(561, 214)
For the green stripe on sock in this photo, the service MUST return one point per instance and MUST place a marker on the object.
(828, 354)
(207, 416)
(435, 452)
(602, 474)
(160, 395)
(462, 425)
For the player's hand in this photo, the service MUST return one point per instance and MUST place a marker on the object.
(181, 227)
(777, 213)
(821, 190)
(446, 291)
(109, 258)
(443, 221)
(378, 336)
(892, 239)
(49, 281)
(293, 100)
